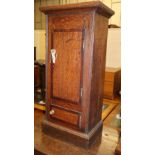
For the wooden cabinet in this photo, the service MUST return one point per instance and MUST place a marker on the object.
(36, 76)
(75, 63)
(112, 82)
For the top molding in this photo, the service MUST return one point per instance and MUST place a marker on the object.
(92, 5)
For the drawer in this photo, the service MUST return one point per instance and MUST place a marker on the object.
(109, 76)
(65, 115)
(108, 86)
(108, 95)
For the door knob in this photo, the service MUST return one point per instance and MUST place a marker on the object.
(52, 112)
(53, 55)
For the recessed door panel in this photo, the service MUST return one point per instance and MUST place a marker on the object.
(67, 69)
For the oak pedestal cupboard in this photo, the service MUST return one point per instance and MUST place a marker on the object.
(76, 38)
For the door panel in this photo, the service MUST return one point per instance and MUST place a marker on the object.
(67, 69)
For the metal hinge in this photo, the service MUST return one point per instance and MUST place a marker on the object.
(81, 92)
(80, 121)
(83, 45)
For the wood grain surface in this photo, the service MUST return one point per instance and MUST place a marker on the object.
(74, 83)
(67, 68)
(52, 146)
(77, 7)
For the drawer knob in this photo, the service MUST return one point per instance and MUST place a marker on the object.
(52, 112)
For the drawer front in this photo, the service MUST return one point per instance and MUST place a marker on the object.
(109, 76)
(65, 116)
(109, 95)
(108, 86)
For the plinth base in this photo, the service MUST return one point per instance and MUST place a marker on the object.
(75, 137)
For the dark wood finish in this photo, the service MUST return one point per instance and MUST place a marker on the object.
(65, 115)
(51, 145)
(98, 68)
(36, 152)
(113, 26)
(98, 6)
(72, 136)
(112, 82)
(118, 149)
(36, 76)
(78, 33)
(34, 53)
(67, 69)
(66, 105)
(41, 75)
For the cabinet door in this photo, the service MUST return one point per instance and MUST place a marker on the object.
(67, 69)
(67, 77)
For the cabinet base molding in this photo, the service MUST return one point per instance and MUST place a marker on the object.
(75, 137)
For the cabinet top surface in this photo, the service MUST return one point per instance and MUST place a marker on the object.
(102, 8)
(109, 69)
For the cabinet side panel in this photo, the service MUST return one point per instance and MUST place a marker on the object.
(98, 69)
